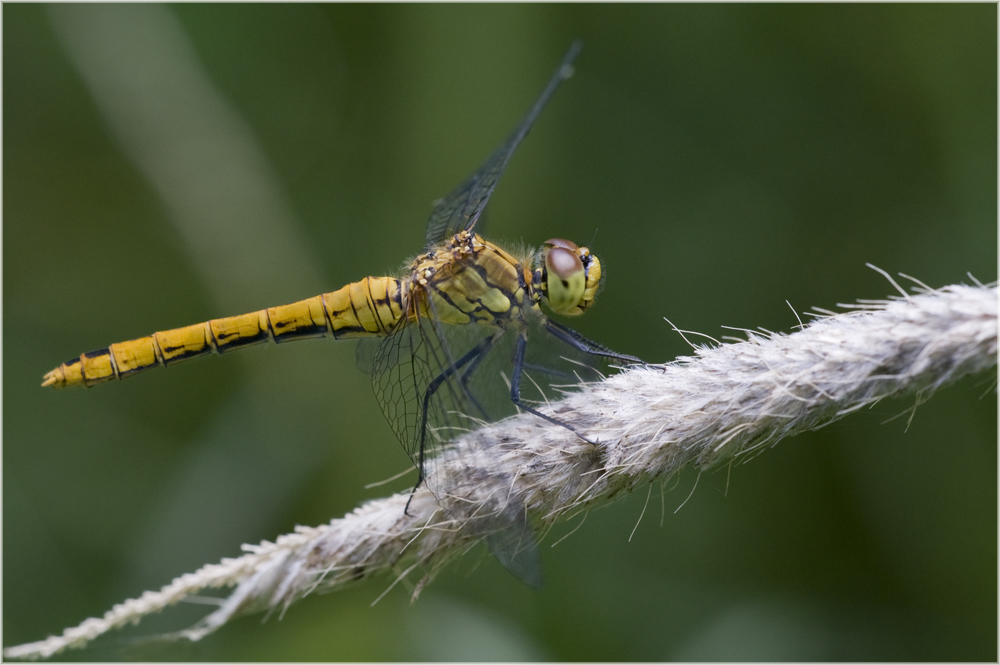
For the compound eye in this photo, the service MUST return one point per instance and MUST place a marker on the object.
(566, 279)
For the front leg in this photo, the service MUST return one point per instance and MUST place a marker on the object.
(581, 343)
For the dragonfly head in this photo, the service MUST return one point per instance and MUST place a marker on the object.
(569, 278)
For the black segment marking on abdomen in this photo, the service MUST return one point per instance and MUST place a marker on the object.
(183, 355)
(226, 343)
(340, 332)
(300, 332)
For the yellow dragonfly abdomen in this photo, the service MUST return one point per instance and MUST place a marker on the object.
(367, 308)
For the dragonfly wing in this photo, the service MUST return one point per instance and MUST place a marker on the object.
(514, 545)
(460, 210)
(419, 388)
(435, 382)
(364, 353)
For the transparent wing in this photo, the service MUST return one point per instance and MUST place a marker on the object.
(435, 382)
(418, 384)
(460, 210)
(426, 379)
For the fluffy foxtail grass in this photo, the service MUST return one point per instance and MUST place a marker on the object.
(726, 402)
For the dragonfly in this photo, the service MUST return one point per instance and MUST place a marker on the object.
(457, 340)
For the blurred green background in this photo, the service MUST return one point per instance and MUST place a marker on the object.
(165, 165)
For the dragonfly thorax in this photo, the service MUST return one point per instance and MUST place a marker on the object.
(467, 280)
(567, 276)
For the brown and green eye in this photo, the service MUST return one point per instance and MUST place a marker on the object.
(571, 277)
(566, 279)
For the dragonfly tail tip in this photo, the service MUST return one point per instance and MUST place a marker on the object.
(51, 379)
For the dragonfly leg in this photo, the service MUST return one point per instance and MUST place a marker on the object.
(488, 345)
(472, 358)
(515, 390)
(578, 341)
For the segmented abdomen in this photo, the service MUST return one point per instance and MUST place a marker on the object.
(370, 307)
